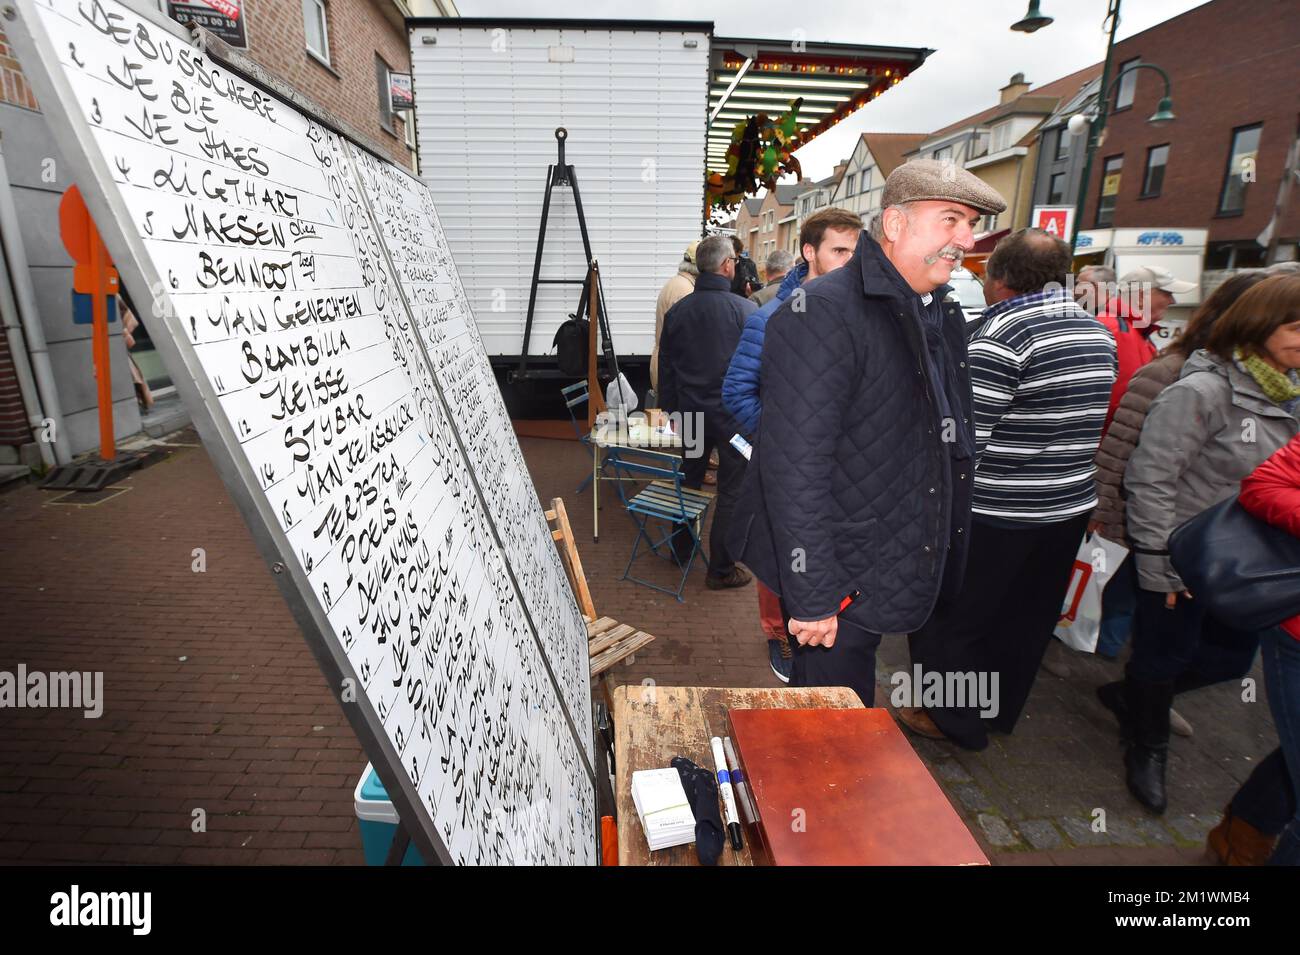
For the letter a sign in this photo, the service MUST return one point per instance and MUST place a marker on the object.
(1054, 220)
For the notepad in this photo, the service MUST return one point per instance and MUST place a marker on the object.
(661, 805)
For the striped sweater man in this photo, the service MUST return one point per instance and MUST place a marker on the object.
(1041, 371)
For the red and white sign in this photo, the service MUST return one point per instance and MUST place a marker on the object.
(1054, 220)
(227, 8)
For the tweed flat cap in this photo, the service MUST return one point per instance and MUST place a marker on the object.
(940, 179)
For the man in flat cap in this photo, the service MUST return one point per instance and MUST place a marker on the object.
(856, 506)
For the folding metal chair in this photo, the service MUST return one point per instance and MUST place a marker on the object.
(574, 395)
(680, 510)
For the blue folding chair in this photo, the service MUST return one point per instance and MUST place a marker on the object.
(662, 511)
(574, 395)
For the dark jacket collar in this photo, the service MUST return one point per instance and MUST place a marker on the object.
(880, 277)
(712, 282)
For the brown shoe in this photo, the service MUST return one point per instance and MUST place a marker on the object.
(918, 721)
(1236, 842)
(737, 578)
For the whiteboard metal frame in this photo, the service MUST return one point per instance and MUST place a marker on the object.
(91, 172)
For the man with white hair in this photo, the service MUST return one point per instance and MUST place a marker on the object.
(700, 334)
(856, 508)
(1094, 287)
(777, 266)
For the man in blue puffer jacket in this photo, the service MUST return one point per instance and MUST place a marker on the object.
(827, 241)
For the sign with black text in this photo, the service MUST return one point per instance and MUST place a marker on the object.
(311, 316)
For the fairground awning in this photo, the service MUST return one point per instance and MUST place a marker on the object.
(835, 80)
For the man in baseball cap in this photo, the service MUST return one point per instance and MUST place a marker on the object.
(856, 506)
(1133, 316)
(1154, 277)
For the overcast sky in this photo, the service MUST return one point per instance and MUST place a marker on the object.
(976, 51)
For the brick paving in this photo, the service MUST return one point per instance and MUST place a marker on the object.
(214, 703)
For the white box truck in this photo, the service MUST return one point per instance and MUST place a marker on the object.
(648, 106)
(634, 101)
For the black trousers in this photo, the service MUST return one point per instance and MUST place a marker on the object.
(1001, 621)
(850, 661)
(1186, 645)
(731, 474)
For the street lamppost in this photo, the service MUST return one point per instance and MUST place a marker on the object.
(1034, 20)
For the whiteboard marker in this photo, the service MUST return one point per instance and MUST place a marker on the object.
(738, 783)
(728, 797)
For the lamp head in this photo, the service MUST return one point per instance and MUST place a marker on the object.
(1032, 21)
(1164, 112)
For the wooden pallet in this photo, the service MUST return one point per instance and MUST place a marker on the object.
(608, 641)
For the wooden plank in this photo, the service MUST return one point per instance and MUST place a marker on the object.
(655, 723)
(567, 545)
(605, 660)
(607, 640)
(596, 627)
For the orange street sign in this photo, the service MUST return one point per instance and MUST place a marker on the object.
(77, 230)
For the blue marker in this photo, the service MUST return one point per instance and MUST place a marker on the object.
(728, 797)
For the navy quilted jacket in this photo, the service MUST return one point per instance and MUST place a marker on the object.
(700, 335)
(740, 387)
(852, 485)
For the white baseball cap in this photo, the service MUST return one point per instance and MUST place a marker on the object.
(1159, 278)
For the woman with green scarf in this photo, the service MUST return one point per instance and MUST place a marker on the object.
(1235, 403)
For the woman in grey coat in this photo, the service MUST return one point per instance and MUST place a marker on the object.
(1117, 446)
(1235, 403)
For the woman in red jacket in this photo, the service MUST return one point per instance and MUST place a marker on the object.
(1266, 803)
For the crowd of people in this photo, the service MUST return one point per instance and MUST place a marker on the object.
(915, 473)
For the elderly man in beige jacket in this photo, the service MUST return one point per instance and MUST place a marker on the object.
(675, 289)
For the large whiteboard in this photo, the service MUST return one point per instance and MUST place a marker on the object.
(314, 322)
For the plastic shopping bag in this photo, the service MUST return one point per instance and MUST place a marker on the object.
(619, 395)
(1095, 564)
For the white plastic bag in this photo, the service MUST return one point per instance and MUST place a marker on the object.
(1095, 564)
(619, 395)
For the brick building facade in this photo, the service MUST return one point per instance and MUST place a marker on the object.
(340, 61)
(345, 79)
(1233, 71)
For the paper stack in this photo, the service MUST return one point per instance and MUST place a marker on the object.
(661, 805)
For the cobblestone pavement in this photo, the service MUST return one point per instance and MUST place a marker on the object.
(214, 703)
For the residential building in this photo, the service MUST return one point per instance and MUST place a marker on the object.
(816, 196)
(775, 219)
(747, 223)
(1061, 155)
(1221, 164)
(336, 53)
(1000, 144)
(874, 157)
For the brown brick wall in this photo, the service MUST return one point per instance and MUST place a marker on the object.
(1231, 63)
(13, 85)
(13, 413)
(358, 29)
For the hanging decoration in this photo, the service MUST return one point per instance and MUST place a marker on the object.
(758, 156)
